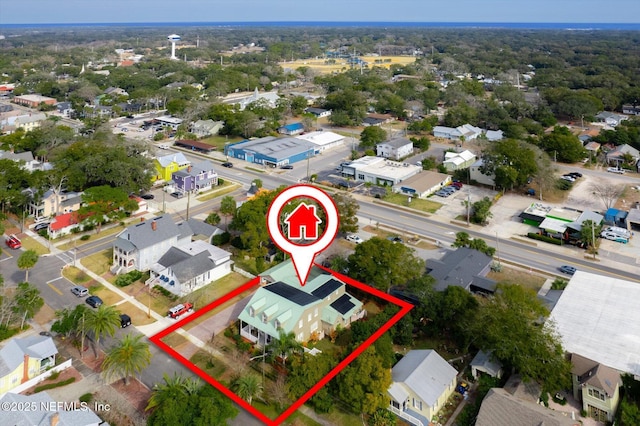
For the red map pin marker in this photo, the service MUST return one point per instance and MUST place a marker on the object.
(303, 224)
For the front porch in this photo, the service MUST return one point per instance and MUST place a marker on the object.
(254, 335)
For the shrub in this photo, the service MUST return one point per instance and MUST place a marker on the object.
(563, 185)
(221, 239)
(558, 284)
(54, 385)
(85, 237)
(220, 181)
(123, 280)
(165, 292)
(544, 238)
(53, 375)
(86, 398)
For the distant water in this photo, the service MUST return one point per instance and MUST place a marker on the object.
(494, 25)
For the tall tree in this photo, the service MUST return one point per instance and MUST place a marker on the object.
(371, 136)
(104, 201)
(172, 388)
(363, 384)
(26, 261)
(102, 321)
(227, 208)
(347, 210)
(509, 324)
(130, 356)
(383, 264)
(27, 301)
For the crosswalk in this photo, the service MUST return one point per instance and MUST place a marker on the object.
(66, 257)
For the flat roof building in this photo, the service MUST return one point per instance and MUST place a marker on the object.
(272, 151)
(379, 171)
(32, 101)
(323, 140)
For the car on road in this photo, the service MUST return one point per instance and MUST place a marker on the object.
(615, 170)
(179, 310)
(147, 196)
(13, 242)
(125, 320)
(287, 167)
(93, 301)
(177, 194)
(41, 226)
(354, 239)
(566, 269)
(79, 291)
(227, 164)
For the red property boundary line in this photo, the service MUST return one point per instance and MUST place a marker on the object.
(405, 307)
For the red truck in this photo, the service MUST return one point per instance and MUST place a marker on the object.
(13, 242)
(179, 310)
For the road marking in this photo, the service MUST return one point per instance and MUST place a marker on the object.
(54, 288)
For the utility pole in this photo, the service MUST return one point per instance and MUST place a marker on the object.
(498, 248)
(188, 202)
(468, 204)
(308, 158)
(593, 239)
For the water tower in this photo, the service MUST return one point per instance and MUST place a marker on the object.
(173, 38)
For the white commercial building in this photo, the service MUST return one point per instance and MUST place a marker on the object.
(597, 317)
(395, 148)
(323, 140)
(379, 171)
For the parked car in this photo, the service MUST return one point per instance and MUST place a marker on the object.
(287, 167)
(93, 301)
(395, 239)
(457, 184)
(442, 193)
(568, 178)
(531, 191)
(575, 174)
(180, 309)
(79, 291)
(227, 165)
(354, 239)
(177, 194)
(125, 320)
(147, 196)
(41, 226)
(611, 236)
(615, 170)
(13, 242)
(566, 269)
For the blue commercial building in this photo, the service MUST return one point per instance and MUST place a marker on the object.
(272, 151)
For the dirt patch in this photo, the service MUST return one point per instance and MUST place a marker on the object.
(45, 315)
(136, 393)
(524, 278)
(64, 375)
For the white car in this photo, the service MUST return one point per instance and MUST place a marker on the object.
(354, 239)
(568, 178)
(615, 170)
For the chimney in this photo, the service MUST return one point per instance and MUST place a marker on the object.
(154, 225)
(189, 169)
(25, 369)
(55, 419)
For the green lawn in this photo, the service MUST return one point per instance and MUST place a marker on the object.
(220, 141)
(426, 206)
(99, 262)
(219, 191)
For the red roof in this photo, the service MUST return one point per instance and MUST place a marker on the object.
(64, 220)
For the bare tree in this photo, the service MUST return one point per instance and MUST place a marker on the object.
(607, 191)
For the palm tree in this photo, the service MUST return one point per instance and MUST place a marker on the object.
(284, 345)
(101, 321)
(128, 357)
(26, 261)
(247, 387)
(172, 388)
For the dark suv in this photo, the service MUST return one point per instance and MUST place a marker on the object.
(125, 320)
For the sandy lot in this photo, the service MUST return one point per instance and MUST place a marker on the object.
(321, 67)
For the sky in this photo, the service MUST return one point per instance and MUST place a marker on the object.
(126, 11)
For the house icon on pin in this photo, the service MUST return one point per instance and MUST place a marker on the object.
(303, 223)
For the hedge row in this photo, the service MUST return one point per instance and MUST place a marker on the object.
(544, 238)
(54, 385)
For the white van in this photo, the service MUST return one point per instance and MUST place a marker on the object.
(618, 231)
(163, 146)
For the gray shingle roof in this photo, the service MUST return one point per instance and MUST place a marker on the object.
(141, 235)
(595, 374)
(193, 259)
(426, 373)
(500, 408)
(461, 268)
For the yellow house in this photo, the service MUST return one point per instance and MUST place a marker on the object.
(597, 386)
(168, 164)
(422, 383)
(23, 359)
